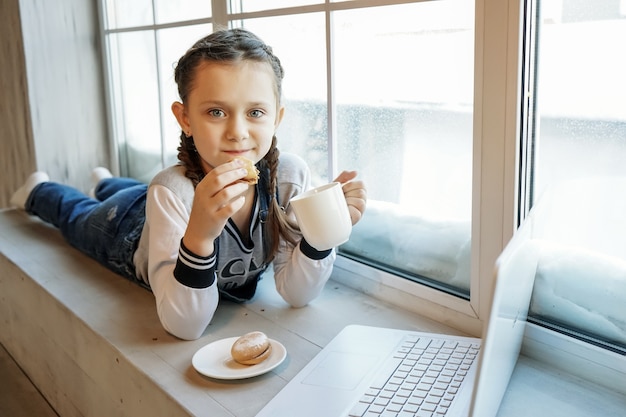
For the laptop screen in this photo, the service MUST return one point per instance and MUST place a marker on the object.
(515, 271)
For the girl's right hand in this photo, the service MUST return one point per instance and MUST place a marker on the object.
(217, 197)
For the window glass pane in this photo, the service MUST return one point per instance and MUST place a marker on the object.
(579, 167)
(173, 43)
(581, 95)
(137, 116)
(402, 117)
(123, 13)
(404, 93)
(302, 54)
(167, 11)
(245, 6)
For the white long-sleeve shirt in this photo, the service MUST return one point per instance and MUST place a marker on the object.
(187, 287)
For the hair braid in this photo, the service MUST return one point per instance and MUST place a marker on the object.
(190, 159)
(277, 222)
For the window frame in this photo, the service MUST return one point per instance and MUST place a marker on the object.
(495, 154)
(559, 349)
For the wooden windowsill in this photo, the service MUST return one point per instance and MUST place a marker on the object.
(92, 344)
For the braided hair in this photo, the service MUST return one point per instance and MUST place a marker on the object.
(235, 45)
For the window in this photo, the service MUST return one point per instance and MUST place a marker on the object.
(420, 96)
(399, 102)
(580, 149)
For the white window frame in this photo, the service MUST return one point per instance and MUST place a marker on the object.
(495, 160)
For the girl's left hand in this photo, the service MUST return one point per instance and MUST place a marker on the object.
(355, 193)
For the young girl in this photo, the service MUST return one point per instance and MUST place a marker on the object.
(198, 232)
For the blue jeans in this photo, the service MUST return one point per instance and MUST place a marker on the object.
(106, 228)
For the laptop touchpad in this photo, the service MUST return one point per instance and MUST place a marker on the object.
(341, 370)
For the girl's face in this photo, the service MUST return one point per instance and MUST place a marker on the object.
(231, 110)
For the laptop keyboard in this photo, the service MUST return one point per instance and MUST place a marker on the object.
(421, 379)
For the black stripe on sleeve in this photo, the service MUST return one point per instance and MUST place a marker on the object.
(194, 271)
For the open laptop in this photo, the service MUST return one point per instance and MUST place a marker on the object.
(348, 377)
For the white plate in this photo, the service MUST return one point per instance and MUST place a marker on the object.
(214, 360)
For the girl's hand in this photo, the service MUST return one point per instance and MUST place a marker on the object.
(355, 193)
(217, 197)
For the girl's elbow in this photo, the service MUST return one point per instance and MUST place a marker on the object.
(298, 300)
(186, 327)
(299, 303)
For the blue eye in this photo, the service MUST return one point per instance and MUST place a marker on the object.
(256, 113)
(216, 113)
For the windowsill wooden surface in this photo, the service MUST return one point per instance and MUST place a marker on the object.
(93, 345)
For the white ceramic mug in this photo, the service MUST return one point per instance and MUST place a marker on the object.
(323, 216)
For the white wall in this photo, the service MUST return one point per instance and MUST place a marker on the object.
(53, 113)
